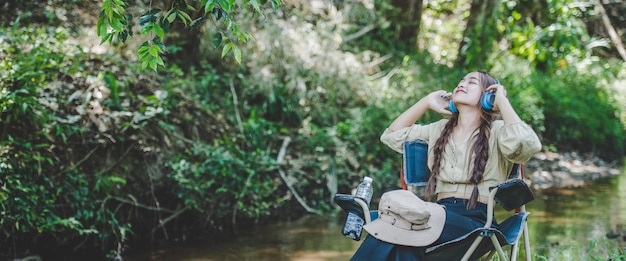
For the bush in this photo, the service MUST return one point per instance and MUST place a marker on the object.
(42, 195)
(580, 115)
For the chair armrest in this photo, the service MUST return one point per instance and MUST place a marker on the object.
(513, 194)
(349, 203)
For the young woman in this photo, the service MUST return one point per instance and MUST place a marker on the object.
(470, 151)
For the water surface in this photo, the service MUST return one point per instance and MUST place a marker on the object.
(561, 220)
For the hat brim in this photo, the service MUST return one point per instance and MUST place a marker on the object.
(387, 232)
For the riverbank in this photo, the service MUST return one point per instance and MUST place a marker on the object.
(571, 169)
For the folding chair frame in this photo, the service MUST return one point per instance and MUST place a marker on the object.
(511, 194)
(485, 232)
(494, 240)
(415, 174)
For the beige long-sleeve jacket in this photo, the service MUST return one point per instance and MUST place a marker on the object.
(508, 144)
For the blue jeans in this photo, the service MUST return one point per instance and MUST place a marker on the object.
(459, 220)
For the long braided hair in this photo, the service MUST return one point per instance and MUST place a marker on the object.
(480, 148)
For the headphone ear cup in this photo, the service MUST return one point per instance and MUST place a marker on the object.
(487, 100)
(451, 107)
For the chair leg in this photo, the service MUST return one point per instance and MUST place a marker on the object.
(514, 250)
(491, 253)
(496, 244)
(527, 243)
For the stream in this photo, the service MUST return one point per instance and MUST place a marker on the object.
(563, 224)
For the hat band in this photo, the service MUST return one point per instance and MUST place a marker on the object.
(395, 220)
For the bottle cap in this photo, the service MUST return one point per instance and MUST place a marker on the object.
(368, 179)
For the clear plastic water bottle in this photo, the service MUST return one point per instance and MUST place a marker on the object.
(353, 226)
(365, 190)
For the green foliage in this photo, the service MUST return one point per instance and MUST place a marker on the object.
(522, 84)
(479, 37)
(116, 23)
(575, 99)
(41, 196)
(571, 110)
(596, 250)
(549, 47)
(223, 180)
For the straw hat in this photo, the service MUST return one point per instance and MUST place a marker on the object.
(405, 219)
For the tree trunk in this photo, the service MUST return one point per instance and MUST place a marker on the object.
(479, 36)
(409, 21)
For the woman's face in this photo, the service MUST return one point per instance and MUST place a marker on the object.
(469, 90)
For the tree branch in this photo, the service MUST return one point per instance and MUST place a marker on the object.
(281, 160)
(168, 219)
(363, 31)
(235, 104)
(611, 30)
(79, 162)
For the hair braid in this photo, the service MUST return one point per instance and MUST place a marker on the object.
(440, 146)
(480, 147)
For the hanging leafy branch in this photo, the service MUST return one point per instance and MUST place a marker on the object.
(115, 24)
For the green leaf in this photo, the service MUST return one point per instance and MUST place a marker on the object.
(217, 39)
(158, 42)
(226, 49)
(153, 65)
(237, 54)
(147, 28)
(106, 4)
(275, 4)
(172, 16)
(225, 5)
(184, 17)
(146, 19)
(154, 50)
(107, 37)
(255, 5)
(118, 179)
(152, 12)
(208, 7)
(143, 47)
(122, 36)
(119, 3)
(159, 31)
(101, 26)
(116, 24)
(159, 61)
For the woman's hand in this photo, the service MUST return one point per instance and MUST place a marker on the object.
(501, 96)
(438, 101)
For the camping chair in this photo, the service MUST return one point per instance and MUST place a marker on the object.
(511, 195)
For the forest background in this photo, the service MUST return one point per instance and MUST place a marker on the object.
(192, 124)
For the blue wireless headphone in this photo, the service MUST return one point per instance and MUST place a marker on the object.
(486, 101)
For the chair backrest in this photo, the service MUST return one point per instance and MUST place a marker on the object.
(415, 173)
(415, 163)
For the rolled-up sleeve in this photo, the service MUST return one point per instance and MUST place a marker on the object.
(395, 139)
(517, 142)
